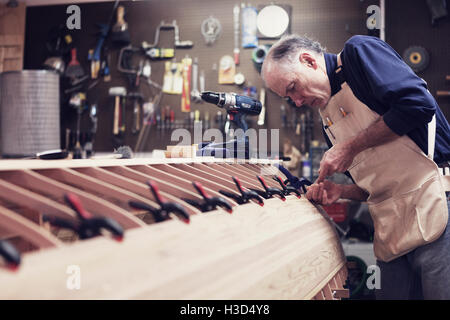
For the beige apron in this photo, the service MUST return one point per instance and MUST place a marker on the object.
(406, 190)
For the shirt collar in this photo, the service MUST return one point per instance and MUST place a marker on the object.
(331, 64)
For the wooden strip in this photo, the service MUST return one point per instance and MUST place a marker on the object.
(206, 175)
(245, 180)
(170, 192)
(253, 174)
(182, 183)
(10, 40)
(27, 230)
(119, 181)
(24, 197)
(319, 296)
(324, 283)
(213, 185)
(266, 170)
(340, 293)
(8, 165)
(90, 184)
(34, 181)
(327, 292)
(225, 174)
(443, 93)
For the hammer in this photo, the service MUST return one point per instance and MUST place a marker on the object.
(117, 92)
(137, 97)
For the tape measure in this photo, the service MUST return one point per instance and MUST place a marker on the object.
(417, 58)
(258, 56)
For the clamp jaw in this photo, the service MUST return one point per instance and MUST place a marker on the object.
(162, 213)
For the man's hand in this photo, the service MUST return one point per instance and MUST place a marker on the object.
(340, 156)
(337, 159)
(324, 193)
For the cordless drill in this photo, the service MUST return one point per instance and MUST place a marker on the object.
(237, 107)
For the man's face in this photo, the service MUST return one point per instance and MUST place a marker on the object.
(305, 81)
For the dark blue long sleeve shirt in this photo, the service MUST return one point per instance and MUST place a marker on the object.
(380, 79)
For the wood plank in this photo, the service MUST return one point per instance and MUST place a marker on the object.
(17, 164)
(168, 191)
(206, 175)
(183, 183)
(249, 182)
(224, 174)
(266, 174)
(213, 185)
(274, 252)
(56, 190)
(27, 198)
(27, 230)
(12, 36)
(118, 181)
(92, 185)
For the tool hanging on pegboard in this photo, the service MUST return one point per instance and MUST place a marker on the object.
(173, 79)
(154, 52)
(211, 30)
(186, 94)
(417, 58)
(195, 93)
(236, 13)
(120, 34)
(94, 55)
(227, 70)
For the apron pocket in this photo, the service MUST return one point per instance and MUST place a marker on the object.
(409, 220)
(431, 209)
(346, 127)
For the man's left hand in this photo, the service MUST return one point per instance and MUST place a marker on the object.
(337, 159)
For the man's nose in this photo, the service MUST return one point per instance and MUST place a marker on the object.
(299, 101)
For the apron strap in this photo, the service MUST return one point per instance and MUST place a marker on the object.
(431, 137)
(339, 72)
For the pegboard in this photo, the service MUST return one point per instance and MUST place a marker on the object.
(330, 22)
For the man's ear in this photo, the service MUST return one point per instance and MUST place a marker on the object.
(308, 60)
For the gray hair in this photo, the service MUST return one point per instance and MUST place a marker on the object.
(288, 46)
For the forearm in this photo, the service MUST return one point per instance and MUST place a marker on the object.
(353, 192)
(376, 134)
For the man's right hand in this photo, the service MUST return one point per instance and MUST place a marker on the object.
(324, 193)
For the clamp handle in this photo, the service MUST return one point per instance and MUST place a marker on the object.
(247, 194)
(167, 207)
(10, 254)
(87, 226)
(287, 189)
(270, 191)
(157, 214)
(211, 202)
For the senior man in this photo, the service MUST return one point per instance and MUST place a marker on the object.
(388, 132)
